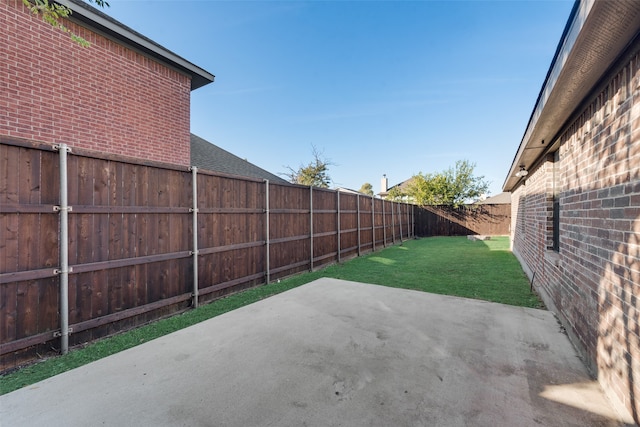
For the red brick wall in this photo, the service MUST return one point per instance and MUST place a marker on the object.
(105, 97)
(593, 282)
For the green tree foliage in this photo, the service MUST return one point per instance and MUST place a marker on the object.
(367, 189)
(396, 194)
(53, 13)
(315, 173)
(453, 187)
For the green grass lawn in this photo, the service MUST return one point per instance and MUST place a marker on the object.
(456, 266)
(445, 265)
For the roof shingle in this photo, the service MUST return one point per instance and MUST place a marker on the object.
(206, 155)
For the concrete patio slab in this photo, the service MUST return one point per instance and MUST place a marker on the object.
(334, 353)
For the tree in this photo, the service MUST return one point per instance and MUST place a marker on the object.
(453, 187)
(315, 174)
(53, 13)
(367, 189)
(396, 194)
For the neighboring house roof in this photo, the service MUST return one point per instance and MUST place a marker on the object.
(403, 187)
(94, 19)
(499, 199)
(205, 155)
(596, 33)
(350, 191)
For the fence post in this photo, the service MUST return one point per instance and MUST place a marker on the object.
(358, 223)
(311, 224)
(194, 252)
(393, 224)
(373, 225)
(64, 270)
(267, 243)
(413, 221)
(409, 227)
(338, 222)
(384, 226)
(400, 220)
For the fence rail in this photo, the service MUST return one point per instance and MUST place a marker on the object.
(146, 240)
(448, 221)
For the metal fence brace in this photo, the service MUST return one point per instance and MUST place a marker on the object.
(64, 209)
(338, 223)
(358, 223)
(384, 226)
(194, 252)
(373, 225)
(400, 221)
(266, 232)
(311, 226)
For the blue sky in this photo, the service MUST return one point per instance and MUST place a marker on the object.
(379, 87)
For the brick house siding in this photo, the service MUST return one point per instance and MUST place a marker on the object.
(593, 280)
(107, 97)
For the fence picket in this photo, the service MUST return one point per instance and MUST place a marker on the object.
(144, 244)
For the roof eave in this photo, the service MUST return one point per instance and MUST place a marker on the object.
(95, 19)
(597, 32)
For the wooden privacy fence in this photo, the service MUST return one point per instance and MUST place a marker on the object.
(129, 253)
(474, 219)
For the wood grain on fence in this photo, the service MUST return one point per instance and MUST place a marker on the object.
(131, 235)
(130, 238)
(447, 221)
